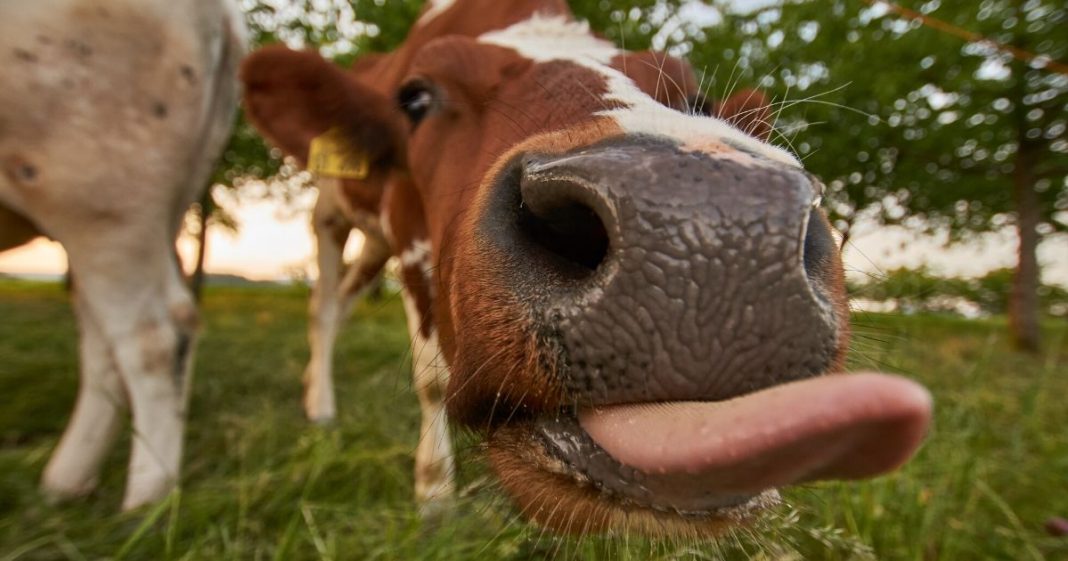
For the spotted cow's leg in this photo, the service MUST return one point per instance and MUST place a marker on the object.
(109, 173)
(333, 295)
(324, 309)
(364, 270)
(169, 341)
(434, 464)
(139, 322)
(74, 467)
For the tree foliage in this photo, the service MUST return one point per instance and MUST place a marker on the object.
(913, 125)
(921, 290)
(947, 126)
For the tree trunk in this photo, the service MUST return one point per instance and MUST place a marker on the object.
(1023, 302)
(196, 282)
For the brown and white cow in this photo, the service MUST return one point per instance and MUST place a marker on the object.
(347, 204)
(112, 113)
(633, 304)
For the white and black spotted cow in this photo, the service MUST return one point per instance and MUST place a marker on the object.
(112, 113)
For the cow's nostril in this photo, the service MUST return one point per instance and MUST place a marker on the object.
(554, 217)
(819, 247)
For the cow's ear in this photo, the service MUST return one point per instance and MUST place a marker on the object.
(747, 109)
(292, 97)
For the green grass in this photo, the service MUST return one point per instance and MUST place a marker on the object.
(260, 483)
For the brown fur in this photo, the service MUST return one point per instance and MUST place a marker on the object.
(748, 110)
(293, 96)
(667, 79)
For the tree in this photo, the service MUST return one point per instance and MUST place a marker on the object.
(917, 126)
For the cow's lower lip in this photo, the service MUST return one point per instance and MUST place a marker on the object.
(587, 462)
(713, 463)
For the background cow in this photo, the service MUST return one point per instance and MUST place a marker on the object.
(343, 205)
(111, 116)
(634, 303)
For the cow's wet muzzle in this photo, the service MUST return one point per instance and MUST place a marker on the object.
(683, 305)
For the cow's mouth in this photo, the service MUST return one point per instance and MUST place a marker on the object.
(693, 468)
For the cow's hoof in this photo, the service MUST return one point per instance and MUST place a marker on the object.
(322, 420)
(55, 493)
(434, 512)
(139, 494)
(319, 413)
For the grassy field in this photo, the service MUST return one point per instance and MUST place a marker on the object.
(260, 483)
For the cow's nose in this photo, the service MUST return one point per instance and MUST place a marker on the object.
(659, 274)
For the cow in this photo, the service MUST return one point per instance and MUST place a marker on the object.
(342, 205)
(640, 309)
(111, 117)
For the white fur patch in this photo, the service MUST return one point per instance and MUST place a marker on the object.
(416, 254)
(547, 38)
(236, 21)
(544, 39)
(437, 7)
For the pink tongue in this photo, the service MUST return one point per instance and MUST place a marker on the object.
(842, 426)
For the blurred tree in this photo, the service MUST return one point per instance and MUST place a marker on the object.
(916, 290)
(632, 25)
(920, 290)
(916, 126)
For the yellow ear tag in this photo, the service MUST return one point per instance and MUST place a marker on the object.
(333, 155)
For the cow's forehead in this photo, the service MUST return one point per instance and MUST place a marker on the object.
(547, 39)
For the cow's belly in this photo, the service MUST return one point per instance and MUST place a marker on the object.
(101, 97)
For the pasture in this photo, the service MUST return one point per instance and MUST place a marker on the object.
(259, 482)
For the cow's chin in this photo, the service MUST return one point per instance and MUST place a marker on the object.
(552, 491)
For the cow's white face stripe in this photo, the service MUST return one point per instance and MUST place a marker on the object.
(544, 39)
(548, 38)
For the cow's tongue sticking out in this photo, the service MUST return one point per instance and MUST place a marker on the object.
(833, 427)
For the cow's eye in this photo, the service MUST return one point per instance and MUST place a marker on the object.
(416, 99)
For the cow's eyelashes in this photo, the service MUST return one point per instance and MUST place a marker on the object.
(416, 99)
